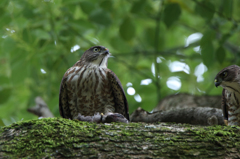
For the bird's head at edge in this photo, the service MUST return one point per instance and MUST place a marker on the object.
(226, 75)
(96, 55)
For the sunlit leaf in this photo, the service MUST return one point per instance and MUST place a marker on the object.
(127, 29)
(171, 13)
(220, 54)
(77, 13)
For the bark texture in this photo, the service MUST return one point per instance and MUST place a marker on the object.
(63, 138)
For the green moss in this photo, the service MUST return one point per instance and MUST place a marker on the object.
(44, 134)
(49, 136)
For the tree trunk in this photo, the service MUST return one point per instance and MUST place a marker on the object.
(62, 138)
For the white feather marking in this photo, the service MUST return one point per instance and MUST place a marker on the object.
(109, 109)
(232, 118)
(87, 87)
(234, 85)
(70, 69)
(237, 111)
(101, 61)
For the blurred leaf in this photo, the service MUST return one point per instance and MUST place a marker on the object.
(101, 17)
(28, 12)
(19, 68)
(138, 6)
(4, 20)
(148, 97)
(220, 54)
(77, 13)
(119, 44)
(106, 5)
(207, 50)
(8, 45)
(4, 80)
(208, 35)
(205, 9)
(41, 34)
(87, 7)
(1, 123)
(2, 11)
(4, 2)
(5, 93)
(143, 64)
(149, 36)
(71, 2)
(227, 7)
(81, 25)
(224, 38)
(171, 14)
(127, 29)
(21, 22)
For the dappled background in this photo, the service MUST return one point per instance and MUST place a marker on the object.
(159, 47)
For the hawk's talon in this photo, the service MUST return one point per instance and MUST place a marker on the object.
(226, 122)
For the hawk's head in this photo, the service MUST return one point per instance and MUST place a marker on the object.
(228, 77)
(96, 55)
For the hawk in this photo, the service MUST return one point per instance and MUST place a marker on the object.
(89, 88)
(229, 79)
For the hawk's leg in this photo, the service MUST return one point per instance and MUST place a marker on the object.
(103, 118)
(114, 117)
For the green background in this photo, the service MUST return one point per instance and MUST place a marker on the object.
(149, 39)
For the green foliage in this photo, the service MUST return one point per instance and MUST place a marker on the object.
(207, 49)
(205, 9)
(127, 29)
(171, 13)
(39, 42)
(220, 54)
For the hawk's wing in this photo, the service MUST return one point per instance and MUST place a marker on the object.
(120, 100)
(224, 106)
(63, 100)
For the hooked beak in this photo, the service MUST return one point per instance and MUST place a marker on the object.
(217, 82)
(106, 52)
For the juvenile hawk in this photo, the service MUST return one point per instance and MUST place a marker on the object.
(229, 79)
(89, 87)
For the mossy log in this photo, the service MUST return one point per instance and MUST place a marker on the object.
(63, 138)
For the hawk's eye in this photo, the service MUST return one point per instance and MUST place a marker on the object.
(225, 74)
(96, 49)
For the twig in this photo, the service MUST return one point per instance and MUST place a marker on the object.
(40, 109)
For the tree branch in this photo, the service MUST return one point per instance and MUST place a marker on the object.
(40, 109)
(63, 138)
